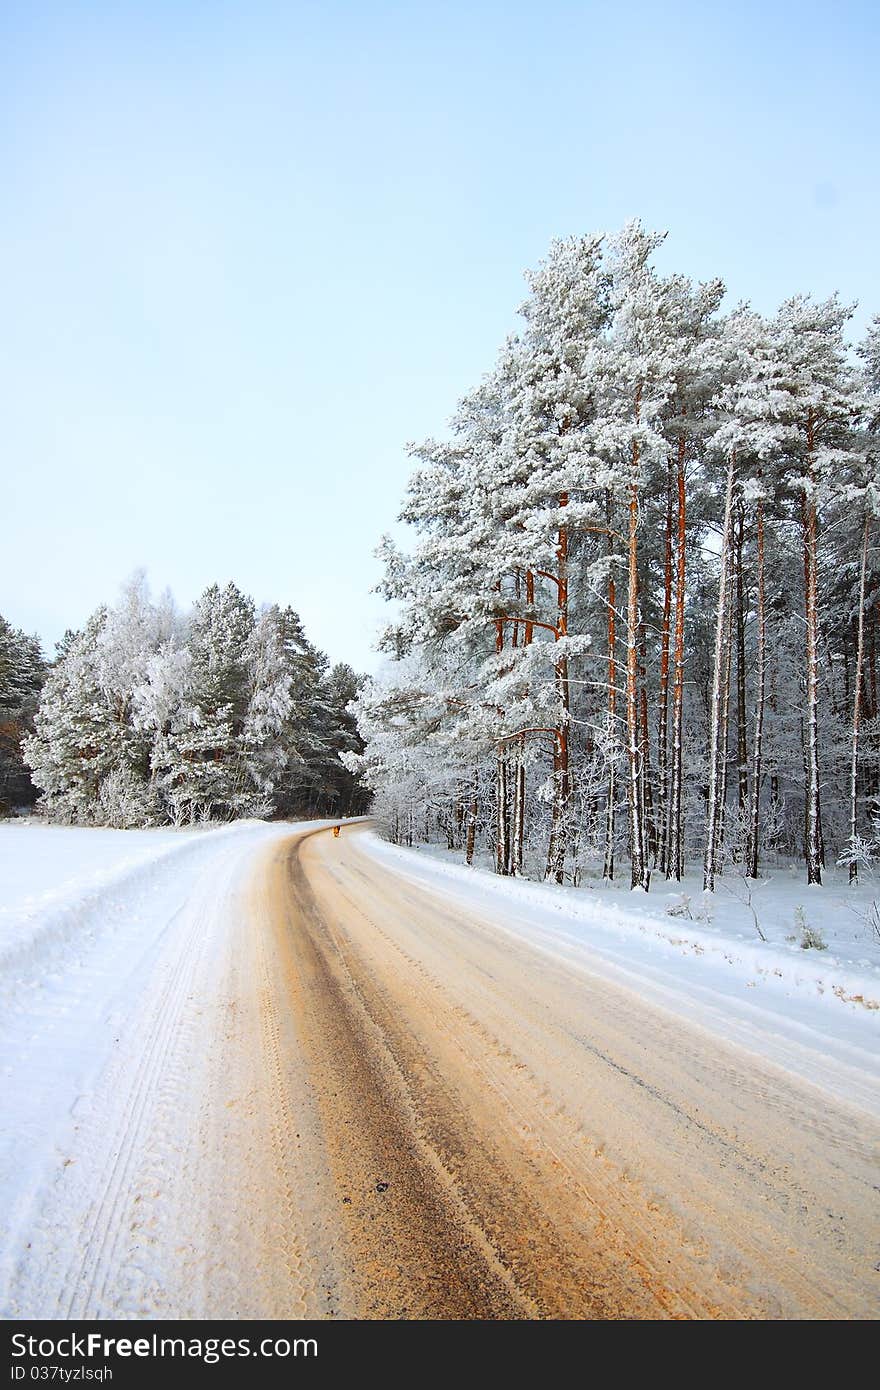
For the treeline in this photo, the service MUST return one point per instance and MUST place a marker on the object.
(641, 613)
(148, 717)
(22, 672)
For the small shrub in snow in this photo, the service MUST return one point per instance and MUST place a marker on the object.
(811, 938)
(744, 890)
(682, 908)
(126, 800)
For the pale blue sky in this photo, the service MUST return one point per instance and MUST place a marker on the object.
(248, 250)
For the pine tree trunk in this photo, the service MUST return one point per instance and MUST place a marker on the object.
(675, 836)
(714, 806)
(502, 827)
(725, 726)
(813, 846)
(530, 604)
(742, 755)
(649, 850)
(470, 841)
(663, 700)
(611, 726)
(636, 807)
(857, 700)
(460, 813)
(871, 684)
(760, 685)
(556, 849)
(519, 803)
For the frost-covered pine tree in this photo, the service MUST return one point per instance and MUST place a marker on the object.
(496, 508)
(300, 784)
(74, 745)
(201, 765)
(607, 560)
(89, 753)
(641, 370)
(863, 492)
(22, 672)
(822, 410)
(148, 717)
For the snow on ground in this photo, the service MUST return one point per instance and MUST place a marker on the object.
(52, 875)
(91, 922)
(813, 1012)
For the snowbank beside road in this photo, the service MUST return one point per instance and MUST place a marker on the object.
(60, 886)
(95, 926)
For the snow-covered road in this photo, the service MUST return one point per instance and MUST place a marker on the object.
(258, 1071)
(806, 1012)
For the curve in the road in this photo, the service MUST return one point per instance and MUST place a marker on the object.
(509, 1138)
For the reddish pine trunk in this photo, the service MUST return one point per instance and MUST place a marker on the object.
(502, 822)
(725, 726)
(519, 799)
(470, 842)
(675, 838)
(556, 849)
(608, 867)
(663, 706)
(742, 755)
(714, 806)
(760, 685)
(649, 850)
(857, 701)
(530, 604)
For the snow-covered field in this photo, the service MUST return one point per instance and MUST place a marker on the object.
(97, 928)
(814, 1012)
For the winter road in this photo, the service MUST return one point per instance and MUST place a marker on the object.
(357, 1098)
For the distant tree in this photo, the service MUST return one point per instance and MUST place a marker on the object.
(201, 763)
(341, 793)
(75, 743)
(22, 672)
(148, 717)
(90, 754)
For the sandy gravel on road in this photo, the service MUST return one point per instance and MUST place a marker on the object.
(506, 1137)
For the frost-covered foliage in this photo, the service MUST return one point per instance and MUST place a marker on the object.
(22, 671)
(149, 718)
(633, 619)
